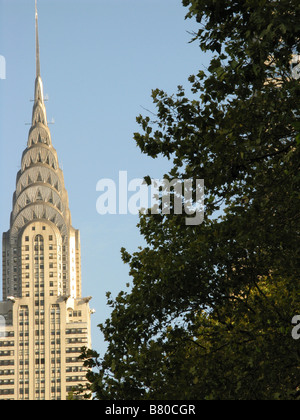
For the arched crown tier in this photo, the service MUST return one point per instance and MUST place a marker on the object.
(39, 212)
(39, 154)
(39, 114)
(39, 133)
(36, 194)
(39, 174)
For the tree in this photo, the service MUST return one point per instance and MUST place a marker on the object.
(209, 313)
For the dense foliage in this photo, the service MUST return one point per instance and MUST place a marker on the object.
(209, 314)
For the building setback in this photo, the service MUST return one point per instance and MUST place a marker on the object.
(44, 320)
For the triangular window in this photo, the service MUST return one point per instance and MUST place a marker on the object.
(39, 196)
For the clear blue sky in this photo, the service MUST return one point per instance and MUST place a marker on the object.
(99, 61)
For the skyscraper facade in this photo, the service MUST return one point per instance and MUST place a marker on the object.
(44, 320)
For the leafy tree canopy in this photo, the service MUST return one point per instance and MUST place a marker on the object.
(210, 309)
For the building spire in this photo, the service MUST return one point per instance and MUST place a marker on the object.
(38, 67)
(39, 109)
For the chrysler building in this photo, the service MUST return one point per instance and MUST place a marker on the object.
(44, 320)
